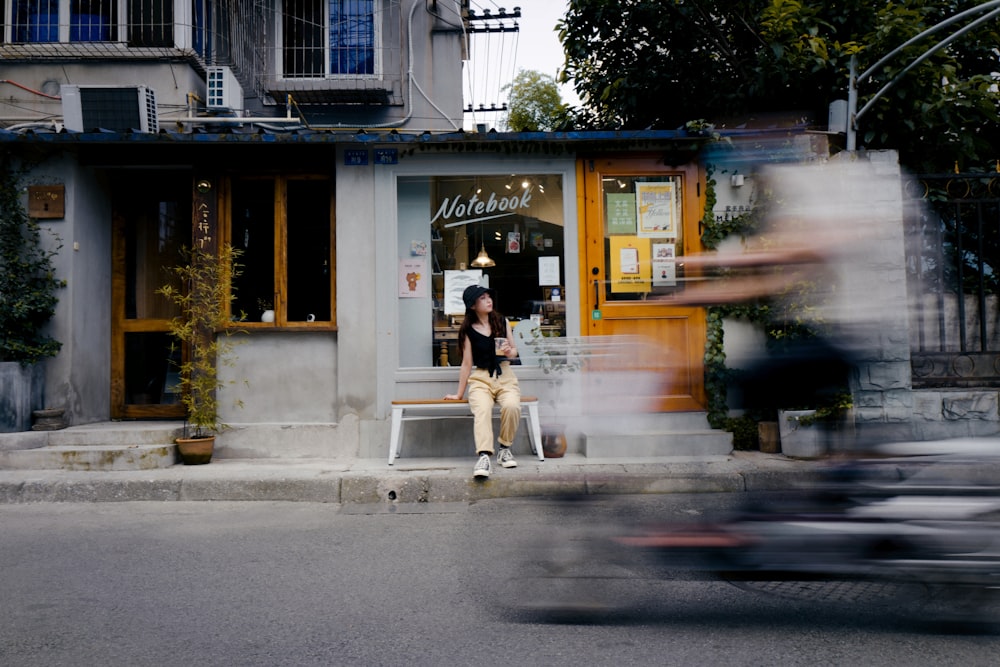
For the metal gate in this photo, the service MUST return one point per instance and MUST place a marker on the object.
(953, 270)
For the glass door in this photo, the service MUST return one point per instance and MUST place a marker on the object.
(152, 220)
(641, 219)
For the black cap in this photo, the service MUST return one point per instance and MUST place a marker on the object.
(472, 294)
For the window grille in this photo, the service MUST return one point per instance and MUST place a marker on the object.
(329, 38)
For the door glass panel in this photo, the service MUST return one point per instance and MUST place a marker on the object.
(151, 363)
(154, 236)
(643, 237)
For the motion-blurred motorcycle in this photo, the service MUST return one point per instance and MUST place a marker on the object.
(916, 515)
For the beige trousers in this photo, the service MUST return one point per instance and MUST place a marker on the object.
(484, 392)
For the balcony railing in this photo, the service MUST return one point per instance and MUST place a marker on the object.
(219, 32)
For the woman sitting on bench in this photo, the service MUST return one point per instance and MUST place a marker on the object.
(487, 343)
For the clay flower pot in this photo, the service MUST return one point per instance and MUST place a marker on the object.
(195, 451)
(554, 441)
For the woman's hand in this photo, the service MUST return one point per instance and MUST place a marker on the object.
(452, 397)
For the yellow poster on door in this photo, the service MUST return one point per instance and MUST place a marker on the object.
(630, 264)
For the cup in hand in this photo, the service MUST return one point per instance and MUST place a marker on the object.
(499, 344)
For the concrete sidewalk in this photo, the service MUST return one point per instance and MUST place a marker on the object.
(408, 480)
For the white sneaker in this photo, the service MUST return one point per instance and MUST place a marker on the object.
(506, 459)
(483, 467)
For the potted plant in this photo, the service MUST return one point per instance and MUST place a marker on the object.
(204, 329)
(266, 310)
(27, 302)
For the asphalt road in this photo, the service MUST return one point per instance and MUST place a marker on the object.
(257, 583)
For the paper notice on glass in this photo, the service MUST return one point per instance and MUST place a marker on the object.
(664, 265)
(513, 242)
(621, 213)
(455, 283)
(413, 278)
(655, 209)
(548, 271)
(630, 264)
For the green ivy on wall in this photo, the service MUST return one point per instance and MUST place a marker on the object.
(717, 375)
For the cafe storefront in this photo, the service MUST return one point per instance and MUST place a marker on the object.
(580, 248)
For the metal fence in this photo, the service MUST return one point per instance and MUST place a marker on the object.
(953, 266)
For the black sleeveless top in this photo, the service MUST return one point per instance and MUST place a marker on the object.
(484, 353)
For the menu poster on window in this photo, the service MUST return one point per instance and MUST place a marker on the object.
(548, 271)
(621, 213)
(513, 242)
(630, 264)
(455, 283)
(664, 265)
(413, 278)
(654, 207)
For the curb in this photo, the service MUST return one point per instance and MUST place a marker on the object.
(422, 482)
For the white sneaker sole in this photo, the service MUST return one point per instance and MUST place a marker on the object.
(508, 464)
(481, 473)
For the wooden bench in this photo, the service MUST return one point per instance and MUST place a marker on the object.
(420, 409)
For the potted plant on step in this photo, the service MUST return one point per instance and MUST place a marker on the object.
(28, 301)
(204, 329)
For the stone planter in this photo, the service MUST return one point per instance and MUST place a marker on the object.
(798, 440)
(22, 391)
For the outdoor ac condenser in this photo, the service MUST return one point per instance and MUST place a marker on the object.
(115, 108)
(224, 90)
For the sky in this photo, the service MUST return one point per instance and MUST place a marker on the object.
(497, 57)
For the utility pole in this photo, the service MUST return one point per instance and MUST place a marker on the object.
(855, 79)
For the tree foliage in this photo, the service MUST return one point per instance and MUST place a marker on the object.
(534, 103)
(650, 63)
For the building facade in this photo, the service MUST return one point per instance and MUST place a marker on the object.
(322, 138)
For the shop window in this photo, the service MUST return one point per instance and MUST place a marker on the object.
(328, 38)
(284, 228)
(505, 231)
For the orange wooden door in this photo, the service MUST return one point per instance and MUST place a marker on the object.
(640, 218)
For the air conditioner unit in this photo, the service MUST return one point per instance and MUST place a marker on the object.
(224, 89)
(116, 108)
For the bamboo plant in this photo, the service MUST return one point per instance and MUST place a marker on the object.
(204, 328)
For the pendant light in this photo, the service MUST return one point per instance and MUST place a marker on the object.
(482, 260)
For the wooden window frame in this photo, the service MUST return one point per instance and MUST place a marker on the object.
(281, 322)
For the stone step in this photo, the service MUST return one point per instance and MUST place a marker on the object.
(130, 445)
(657, 444)
(90, 457)
(122, 434)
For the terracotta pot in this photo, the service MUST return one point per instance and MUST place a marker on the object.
(553, 441)
(769, 438)
(195, 451)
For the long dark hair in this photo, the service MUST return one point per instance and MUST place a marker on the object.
(498, 325)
